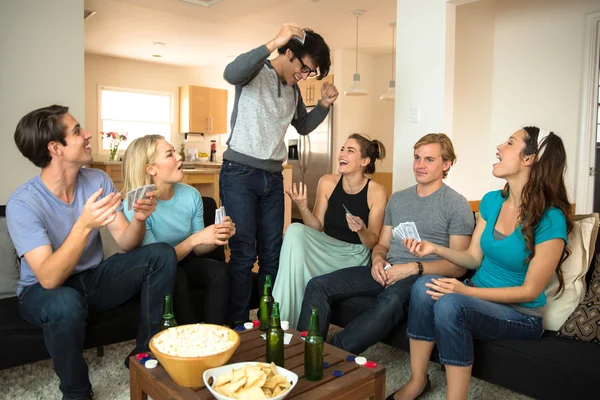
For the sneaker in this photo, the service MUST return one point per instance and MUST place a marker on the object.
(89, 397)
(131, 353)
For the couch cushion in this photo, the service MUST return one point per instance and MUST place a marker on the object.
(582, 241)
(9, 264)
(584, 323)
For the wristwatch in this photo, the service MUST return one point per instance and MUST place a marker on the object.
(420, 267)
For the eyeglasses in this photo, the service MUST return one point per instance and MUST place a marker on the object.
(306, 69)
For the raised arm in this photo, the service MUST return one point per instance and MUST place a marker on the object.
(298, 194)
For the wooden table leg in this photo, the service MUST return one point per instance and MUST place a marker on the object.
(135, 391)
(379, 388)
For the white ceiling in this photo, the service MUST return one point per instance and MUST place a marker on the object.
(204, 37)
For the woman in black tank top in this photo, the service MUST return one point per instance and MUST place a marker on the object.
(341, 229)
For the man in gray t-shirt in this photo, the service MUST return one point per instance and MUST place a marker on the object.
(440, 214)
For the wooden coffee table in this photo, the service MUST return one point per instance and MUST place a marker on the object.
(357, 382)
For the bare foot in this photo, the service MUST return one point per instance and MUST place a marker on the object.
(411, 389)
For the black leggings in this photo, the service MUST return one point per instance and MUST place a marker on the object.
(193, 273)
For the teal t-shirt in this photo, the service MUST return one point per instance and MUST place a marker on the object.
(503, 262)
(174, 220)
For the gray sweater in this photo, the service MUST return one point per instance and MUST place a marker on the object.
(263, 110)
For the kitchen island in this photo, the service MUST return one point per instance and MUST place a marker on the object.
(204, 176)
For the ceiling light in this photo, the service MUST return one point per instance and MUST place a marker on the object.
(159, 44)
(204, 3)
(356, 89)
(156, 55)
(390, 93)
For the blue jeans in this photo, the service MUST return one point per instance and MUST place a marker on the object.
(372, 325)
(62, 312)
(455, 320)
(253, 198)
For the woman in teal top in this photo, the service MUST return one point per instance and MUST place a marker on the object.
(178, 221)
(519, 242)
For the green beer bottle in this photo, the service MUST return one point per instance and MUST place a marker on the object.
(266, 304)
(275, 338)
(168, 318)
(313, 349)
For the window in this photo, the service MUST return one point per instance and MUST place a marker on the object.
(137, 113)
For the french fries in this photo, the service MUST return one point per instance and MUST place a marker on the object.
(260, 381)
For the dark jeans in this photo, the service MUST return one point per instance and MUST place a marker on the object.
(455, 320)
(253, 198)
(196, 273)
(62, 312)
(372, 325)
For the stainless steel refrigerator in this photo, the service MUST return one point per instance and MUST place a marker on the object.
(310, 156)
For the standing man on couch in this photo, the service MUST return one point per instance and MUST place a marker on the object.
(53, 220)
(440, 214)
(267, 100)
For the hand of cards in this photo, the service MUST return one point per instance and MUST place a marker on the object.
(137, 194)
(302, 39)
(406, 230)
(219, 215)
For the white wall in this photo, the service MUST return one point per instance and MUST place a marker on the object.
(118, 72)
(536, 74)
(420, 79)
(41, 65)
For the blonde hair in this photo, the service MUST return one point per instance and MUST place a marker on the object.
(141, 152)
(444, 142)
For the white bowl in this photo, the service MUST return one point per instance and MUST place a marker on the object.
(202, 159)
(214, 373)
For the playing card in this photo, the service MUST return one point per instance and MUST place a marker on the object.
(302, 39)
(139, 192)
(410, 229)
(287, 337)
(218, 216)
(148, 188)
(350, 214)
(387, 266)
(130, 199)
(398, 233)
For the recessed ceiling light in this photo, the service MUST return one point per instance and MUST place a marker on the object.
(205, 3)
(156, 55)
(160, 44)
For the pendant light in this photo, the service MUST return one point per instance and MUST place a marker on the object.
(356, 89)
(390, 93)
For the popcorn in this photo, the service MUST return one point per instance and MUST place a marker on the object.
(193, 341)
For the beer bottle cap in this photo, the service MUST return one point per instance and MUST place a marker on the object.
(360, 360)
(248, 325)
(303, 333)
(256, 323)
(151, 364)
(337, 373)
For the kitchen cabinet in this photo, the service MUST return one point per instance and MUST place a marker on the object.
(202, 110)
(311, 89)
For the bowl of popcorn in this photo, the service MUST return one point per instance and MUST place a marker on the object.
(187, 351)
(250, 380)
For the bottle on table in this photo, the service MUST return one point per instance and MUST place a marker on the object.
(168, 318)
(275, 338)
(266, 304)
(213, 151)
(313, 349)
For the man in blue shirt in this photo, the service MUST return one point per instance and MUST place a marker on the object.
(54, 220)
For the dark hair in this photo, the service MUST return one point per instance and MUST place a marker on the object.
(38, 128)
(544, 189)
(372, 149)
(315, 47)
(445, 143)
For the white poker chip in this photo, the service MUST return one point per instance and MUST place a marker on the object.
(151, 364)
(360, 360)
(248, 325)
(285, 325)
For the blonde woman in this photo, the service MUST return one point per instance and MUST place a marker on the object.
(178, 221)
(330, 239)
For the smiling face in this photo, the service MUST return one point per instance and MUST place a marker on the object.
(428, 164)
(292, 70)
(350, 159)
(167, 167)
(78, 149)
(511, 160)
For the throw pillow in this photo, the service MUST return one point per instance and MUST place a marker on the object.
(582, 241)
(9, 263)
(584, 323)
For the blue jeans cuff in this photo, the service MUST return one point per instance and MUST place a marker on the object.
(418, 337)
(455, 363)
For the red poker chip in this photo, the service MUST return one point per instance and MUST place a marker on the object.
(370, 364)
(141, 355)
(303, 333)
(256, 323)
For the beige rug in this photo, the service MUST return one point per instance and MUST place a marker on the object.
(110, 378)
